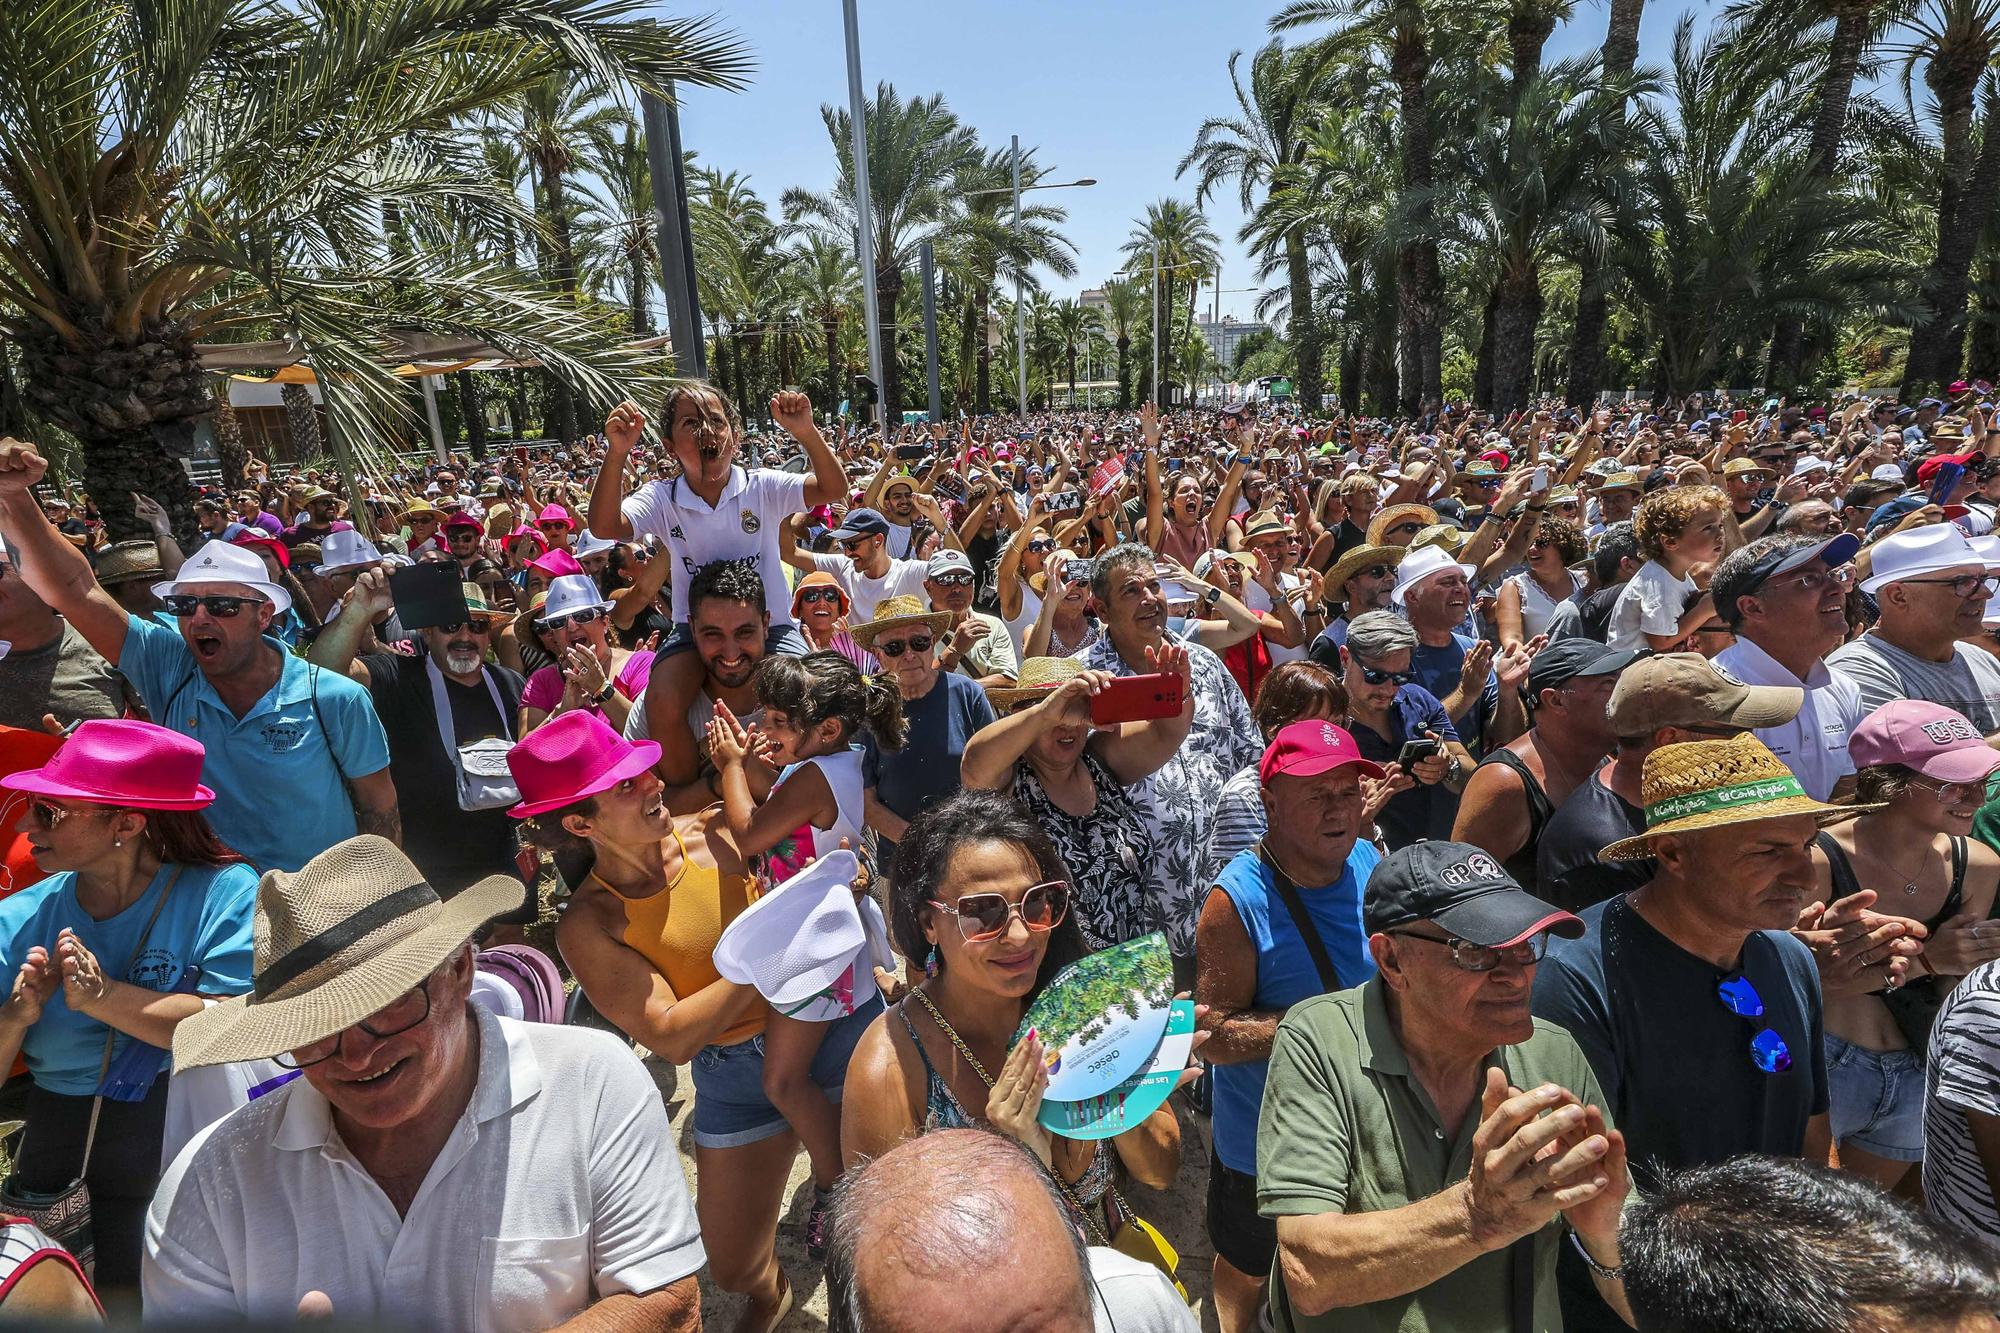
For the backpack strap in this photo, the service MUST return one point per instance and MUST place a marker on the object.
(1288, 893)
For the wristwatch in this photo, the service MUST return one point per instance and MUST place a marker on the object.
(1211, 597)
(602, 694)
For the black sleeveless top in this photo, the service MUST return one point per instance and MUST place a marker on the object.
(1914, 1004)
(1521, 865)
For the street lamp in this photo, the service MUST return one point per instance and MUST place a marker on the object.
(1020, 274)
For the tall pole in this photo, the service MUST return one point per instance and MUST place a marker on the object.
(927, 262)
(857, 115)
(1020, 306)
(667, 166)
(1159, 398)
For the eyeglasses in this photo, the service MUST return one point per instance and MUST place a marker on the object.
(953, 580)
(1041, 546)
(1375, 676)
(916, 643)
(1964, 585)
(48, 816)
(811, 595)
(1406, 527)
(181, 605)
(1470, 957)
(1767, 1049)
(579, 618)
(476, 626)
(985, 916)
(1372, 572)
(401, 1015)
(1818, 580)
(1953, 793)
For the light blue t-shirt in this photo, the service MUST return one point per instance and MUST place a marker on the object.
(205, 922)
(1285, 974)
(279, 798)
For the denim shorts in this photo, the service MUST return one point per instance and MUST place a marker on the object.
(1876, 1099)
(730, 1108)
(778, 639)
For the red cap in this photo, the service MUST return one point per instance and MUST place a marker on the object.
(1497, 457)
(1305, 749)
(264, 541)
(1928, 468)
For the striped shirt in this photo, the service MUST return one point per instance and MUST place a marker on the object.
(1963, 1075)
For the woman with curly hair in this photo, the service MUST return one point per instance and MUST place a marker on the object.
(1529, 599)
(1680, 532)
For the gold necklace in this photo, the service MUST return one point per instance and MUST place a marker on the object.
(951, 1035)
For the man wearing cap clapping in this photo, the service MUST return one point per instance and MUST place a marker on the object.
(1425, 1141)
(433, 1165)
(296, 755)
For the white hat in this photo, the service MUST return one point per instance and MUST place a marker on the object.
(799, 939)
(570, 593)
(219, 561)
(345, 549)
(589, 543)
(1925, 550)
(1886, 472)
(1420, 564)
(1811, 464)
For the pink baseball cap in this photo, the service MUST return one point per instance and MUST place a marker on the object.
(1305, 749)
(1927, 737)
(124, 763)
(575, 756)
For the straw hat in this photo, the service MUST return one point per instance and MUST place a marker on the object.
(899, 613)
(1444, 536)
(342, 938)
(1036, 678)
(1709, 784)
(129, 561)
(1395, 516)
(1358, 559)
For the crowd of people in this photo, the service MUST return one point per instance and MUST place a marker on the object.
(1576, 831)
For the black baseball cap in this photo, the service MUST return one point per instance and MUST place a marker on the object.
(1461, 889)
(860, 523)
(1566, 659)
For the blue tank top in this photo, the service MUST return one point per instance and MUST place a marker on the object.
(1285, 974)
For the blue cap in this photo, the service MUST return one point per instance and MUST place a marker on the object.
(1935, 404)
(860, 523)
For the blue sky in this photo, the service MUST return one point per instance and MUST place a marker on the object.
(1113, 89)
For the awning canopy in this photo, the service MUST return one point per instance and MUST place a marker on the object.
(415, 352)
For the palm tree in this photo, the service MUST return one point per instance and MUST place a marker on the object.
(1265, 145)
(1171, 240)
(740, 265)
(1619, 55)
(1124, 308)
(169, 171)
(629, 222)
(829, 285)
(1073, 324)
(915, 149)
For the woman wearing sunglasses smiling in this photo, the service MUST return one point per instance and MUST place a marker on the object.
(981, 896)
(144, 911)
(591, 673)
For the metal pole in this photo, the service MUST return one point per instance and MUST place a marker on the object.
(1020, 306)
(666, 165)
(857, 114)
(1159, 398)
(437, 426)
(925, 260)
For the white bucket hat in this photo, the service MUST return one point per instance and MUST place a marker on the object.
(1925, 550)
(570, 593)
(589, 543)
(1420, 564)
(219, 561)
(797, 943)
(346, 549)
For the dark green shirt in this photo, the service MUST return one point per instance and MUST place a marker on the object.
(1346, 1128)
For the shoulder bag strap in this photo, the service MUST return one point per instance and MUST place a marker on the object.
(326, 737)
(111, 1036)
(1288, 893)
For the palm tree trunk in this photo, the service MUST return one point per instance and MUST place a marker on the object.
(1937, 344)
(1482, 365)
(888, 291)
(1303, 329)
(1593, 301)
(229, 448)
(1383, 380)
(1621, 37)
(983, 386)
(473, 411)
(1124, 372)
(1983, 356)
(1517, 309)
(560, 418)
(1528, 29)
(1419, 284)
(518, 401)
(302, 423)
(642, 323)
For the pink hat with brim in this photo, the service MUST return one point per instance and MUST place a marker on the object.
(541, 543)
(575, 756)
(554, 513)
(556, 564)
(1926, 737)
(132, 764)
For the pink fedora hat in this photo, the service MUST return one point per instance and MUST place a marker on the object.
(554, 513)
(133, 764)
(575, 756)
(556, 564)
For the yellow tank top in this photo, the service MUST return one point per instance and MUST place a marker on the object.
(676, 930)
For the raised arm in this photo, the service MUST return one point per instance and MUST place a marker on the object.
(1156, 500)
(607, 493)
(333, 649)
(57, 571)
(792, 410)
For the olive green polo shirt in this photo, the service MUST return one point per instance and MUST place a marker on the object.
(1347, 1128)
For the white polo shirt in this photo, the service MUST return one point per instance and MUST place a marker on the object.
(560, 1185)
(1813, 744)
(904, 579)
(742, 525)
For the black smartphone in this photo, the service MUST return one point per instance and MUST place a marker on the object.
(908, 452)
(1416, 751)
(427, 595)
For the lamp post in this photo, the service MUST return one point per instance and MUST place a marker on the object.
(1020, 272)
(857, 115)
(1155, 269)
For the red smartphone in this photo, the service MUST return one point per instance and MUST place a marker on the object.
(1137, 699)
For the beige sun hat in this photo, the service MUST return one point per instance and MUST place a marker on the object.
(1357, 559)
(1709, 784)
(898, 613)
(1394, 516)
(1036, 678)
(341, 938)
(129, 561)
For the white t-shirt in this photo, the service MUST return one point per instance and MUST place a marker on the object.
(1259, 601)
(1813, 744)
(904, 579)
(1651, 604)
(1129, 1295)
(743, 525)
(1031, 611)
(560, 1185)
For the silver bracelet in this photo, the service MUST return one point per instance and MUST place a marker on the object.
(1606, 1274)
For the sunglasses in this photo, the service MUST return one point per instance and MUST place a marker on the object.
(476, 626)
(401, 1015)
(1953, 793)
(583, 617)
(853, 544)
(48, 816)
(953, 580)
(1041, 546)
(1470, 957)
(1411, 527)
(1377, 677)
(916, 643)
(1767, 1049)
(1372, 572)
(181, 605)
(821, 595)
(985, 916)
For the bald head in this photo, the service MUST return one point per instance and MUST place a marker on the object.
(957, 1229)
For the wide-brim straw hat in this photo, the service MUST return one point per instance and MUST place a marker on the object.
(129, 561)
(1711, 784)
(1358, 559)
(898, 613)
(1037, 677)
(1396, 515)
(341, 938)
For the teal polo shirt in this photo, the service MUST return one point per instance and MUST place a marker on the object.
(279, 798)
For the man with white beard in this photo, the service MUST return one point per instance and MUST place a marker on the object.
(459, 831)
